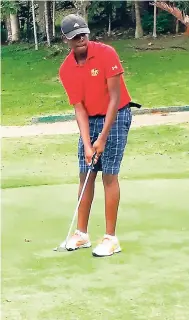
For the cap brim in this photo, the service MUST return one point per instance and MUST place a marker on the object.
(74, 33)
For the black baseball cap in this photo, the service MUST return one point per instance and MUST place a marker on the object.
(72, 25)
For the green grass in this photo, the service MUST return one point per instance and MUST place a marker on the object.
(148, 280)
(152, 153)
(30, 85)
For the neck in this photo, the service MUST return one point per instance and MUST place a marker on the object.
(81, 57)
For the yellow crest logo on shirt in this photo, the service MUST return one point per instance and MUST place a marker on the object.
(94, 72)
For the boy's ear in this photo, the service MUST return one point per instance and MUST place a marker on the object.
(64, 39)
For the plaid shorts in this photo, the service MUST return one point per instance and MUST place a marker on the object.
(110, 160)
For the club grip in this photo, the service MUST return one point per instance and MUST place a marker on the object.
(92, 160)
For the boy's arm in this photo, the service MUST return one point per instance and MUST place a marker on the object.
(114, 92)
(83, 124)
(74, 92)
(113, 71)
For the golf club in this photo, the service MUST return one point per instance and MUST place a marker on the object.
(62, 246)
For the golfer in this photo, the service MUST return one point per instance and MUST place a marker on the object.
(92, 76)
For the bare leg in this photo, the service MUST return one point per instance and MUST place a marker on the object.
(112, 197)
(86, 202)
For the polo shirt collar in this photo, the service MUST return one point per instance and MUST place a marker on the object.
(90, 53)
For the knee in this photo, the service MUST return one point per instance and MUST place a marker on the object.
(109, 179)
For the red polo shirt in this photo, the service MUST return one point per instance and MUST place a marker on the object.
(88, 83)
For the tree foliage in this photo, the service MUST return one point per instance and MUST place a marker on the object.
(103, 17)
(9, 7)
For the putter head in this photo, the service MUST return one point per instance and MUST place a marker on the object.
(61, 247)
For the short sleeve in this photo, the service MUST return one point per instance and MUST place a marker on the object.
(71, 85)
(112, 63)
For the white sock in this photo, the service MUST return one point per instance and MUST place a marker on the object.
(114, 238)
(81, 233)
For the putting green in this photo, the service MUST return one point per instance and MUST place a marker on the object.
(148, 280)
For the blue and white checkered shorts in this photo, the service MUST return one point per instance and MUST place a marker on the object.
(110, 160)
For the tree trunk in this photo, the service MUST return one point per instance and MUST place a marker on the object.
(53, 22)
(138, 30)
(41, 18)
(50, 19)
(109, 26)
(132, 11)
(187, 30)
(28, 21)
(8, 27)
(34, 26)
(155, 18)
(47, 24)
(82, 8)
(15, 27)
(177, 26)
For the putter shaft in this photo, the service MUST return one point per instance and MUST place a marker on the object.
(78, 204)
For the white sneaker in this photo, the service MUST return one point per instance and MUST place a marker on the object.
(77, 241)
(108, 246)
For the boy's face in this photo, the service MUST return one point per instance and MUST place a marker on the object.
(79, 44)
